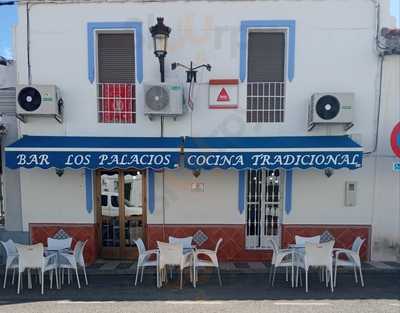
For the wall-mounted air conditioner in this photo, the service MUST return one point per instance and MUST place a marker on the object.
(39, 100)
(163, 100)
(331, 108)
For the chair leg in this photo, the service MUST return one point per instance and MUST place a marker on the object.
(287, 274)
(42, 274)
(62, 276)
(273, 276)
(84, 272)
(306, 280)
(194, 276)
(321, 274)
(137, 273)
(331, 274)
(361, 276)
(5, 278)
(141, 276)
(77, 277)
(301, 280)
(69, 276)
(335, 276)
(270, 273)
(219, 277)
(326, 277)
(57, 282)
(51, 279)
(19, 282)
(181, 277)
(355, 273)
(12, 281)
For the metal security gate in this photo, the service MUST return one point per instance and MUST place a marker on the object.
(264, 208)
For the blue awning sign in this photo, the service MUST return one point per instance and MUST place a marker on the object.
(273, 152)
(94, 152)
(199, 153)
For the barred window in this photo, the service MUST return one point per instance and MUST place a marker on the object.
(116, 94)
(266, 77)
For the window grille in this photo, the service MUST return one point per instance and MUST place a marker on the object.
(116, 103)
(264, 208)
(265, 102)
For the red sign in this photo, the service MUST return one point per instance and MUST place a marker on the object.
(223, 96)
(395, 139)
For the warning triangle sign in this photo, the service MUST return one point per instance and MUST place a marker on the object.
(223, 96)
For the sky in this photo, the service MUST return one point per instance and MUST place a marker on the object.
(8, 18)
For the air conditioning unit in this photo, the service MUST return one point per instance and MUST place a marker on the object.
(39, 100)
(331, 108)
(163, 99)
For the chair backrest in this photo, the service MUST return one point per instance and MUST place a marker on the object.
(30, 256)
(78, 252)
(186, 242)
(140, 245)
(358, 242)
(303, 240)
(9, 246)
(170, 254)
(218, 244)
(59, 244)
(318, 254)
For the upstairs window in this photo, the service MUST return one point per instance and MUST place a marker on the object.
(266, 77)
(116, 94)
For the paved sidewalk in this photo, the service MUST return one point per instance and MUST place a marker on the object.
(104, 267)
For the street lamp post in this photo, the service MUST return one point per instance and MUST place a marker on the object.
(160, 34)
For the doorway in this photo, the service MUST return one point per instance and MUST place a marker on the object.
(264, 208)
(121, 212)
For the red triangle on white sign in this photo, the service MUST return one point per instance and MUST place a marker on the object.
(223, 96)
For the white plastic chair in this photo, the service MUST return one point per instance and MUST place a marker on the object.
(144, 260)
(353, 259)
(281, 258)
(185, 242)
(11, 259)
(172, 254)
(319, 255)
(73, 261)
(303, 240)
(211, 262)
(31, 257)
(59, 244)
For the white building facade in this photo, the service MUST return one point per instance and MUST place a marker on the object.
(307, 50)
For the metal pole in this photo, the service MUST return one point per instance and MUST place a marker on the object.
(161, 58)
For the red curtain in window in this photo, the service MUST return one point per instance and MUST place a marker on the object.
(117, 103)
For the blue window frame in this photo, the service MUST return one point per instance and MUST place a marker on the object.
(92, 27)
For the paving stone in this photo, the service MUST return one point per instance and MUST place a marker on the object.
(241, 265)
(393, 264)
(257, 266)
(96, 265)
(123, 266)
(380, 265)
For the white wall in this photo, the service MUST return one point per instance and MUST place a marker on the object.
(317, 199)
(331, 55)
(47, 198)
(218, 204)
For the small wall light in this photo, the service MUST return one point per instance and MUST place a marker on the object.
(59, 172)
(328, 172)
(196, 173)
